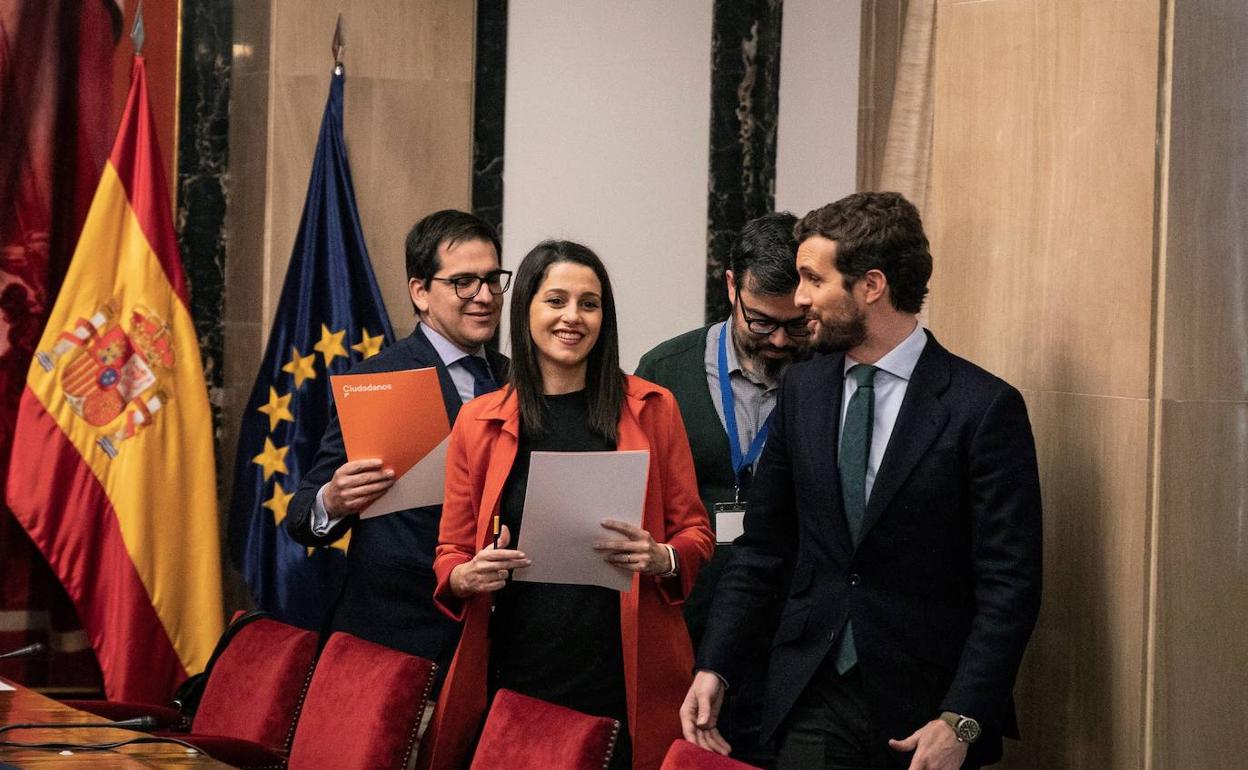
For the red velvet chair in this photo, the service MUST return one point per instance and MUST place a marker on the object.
(523, 733)
(363, 708)
(684, 755)
(257, 685)
(255, 654)
(255, 689)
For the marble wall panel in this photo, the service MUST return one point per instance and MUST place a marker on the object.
(745, 91)
(1079, 691)
(489, 111)
(1202, 571)
(1042, 198)
(1206, 318)
(202, 172)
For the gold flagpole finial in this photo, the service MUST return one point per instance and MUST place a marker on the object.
(137, 33)
(338, 46)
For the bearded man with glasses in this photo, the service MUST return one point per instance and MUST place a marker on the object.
(733, 368)
(456, 286)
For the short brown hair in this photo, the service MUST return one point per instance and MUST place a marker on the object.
(876, 231)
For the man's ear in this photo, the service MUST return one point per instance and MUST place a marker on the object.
(874, 287)
(418, 290)
(730, 280)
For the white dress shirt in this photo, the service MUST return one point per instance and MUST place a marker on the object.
(891, 382)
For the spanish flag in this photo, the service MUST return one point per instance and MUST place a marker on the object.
(112, 472)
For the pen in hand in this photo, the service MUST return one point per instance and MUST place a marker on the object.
(497, 529)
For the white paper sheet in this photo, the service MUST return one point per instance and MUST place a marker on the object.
(568, 496)
(422, 485)
(6, 687)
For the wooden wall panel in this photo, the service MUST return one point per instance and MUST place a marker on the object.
(1079, 692)
(1042, 205)
(1201, 642)
(1042, 224)
(408, 126)
(407, 120)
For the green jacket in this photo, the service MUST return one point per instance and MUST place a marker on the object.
(680, 366)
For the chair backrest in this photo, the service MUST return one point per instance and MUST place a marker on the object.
(523, 733)
(257, 683)
(363, 708)
(683, 755)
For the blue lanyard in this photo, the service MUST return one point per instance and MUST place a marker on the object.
(739, 461)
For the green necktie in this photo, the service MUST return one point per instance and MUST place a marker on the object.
(853, 454)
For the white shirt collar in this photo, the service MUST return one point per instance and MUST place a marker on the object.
(901, 360)
(448, 351)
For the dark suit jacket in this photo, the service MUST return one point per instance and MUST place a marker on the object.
(943, 588)
(388, 593)
(679, 364)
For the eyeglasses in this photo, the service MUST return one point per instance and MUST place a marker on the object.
(467, 286)
(764, 326)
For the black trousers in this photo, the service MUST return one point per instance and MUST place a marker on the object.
(830, 728)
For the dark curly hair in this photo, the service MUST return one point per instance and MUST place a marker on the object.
(876, 231)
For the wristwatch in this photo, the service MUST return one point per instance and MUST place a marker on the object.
(965, 728)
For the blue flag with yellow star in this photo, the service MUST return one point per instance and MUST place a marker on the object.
(329, 317)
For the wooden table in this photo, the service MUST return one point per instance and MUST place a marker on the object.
(25, 705)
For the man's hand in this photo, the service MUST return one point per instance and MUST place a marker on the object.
(487, 571)
(355, 486)
(935, 747)
(700, 710)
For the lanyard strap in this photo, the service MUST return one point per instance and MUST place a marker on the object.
(739, 461)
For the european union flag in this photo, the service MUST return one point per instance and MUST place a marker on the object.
(330, 316)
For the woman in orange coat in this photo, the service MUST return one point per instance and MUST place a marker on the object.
(622, 655)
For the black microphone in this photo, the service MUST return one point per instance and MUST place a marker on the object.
(29, 651)
(138, 724)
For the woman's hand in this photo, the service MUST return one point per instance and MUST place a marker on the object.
(487, 571)
(636, 552)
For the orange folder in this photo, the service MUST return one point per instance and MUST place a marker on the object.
(399, 418)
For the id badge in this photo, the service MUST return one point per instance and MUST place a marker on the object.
(729, 522)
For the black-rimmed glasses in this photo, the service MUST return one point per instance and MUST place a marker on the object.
(764, 326)
(467, 286)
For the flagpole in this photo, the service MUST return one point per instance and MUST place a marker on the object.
(336, 46)
(138, 33)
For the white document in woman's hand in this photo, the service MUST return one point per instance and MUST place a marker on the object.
(568, 496)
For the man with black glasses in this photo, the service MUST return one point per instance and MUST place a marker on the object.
(733, 368)
(456, 287)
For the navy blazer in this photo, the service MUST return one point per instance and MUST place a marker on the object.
(944, 586)
(388, 593)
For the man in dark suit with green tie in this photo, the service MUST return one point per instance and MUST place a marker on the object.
(736, 362)
(897, 509)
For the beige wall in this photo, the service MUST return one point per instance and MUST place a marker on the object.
(1048, 217)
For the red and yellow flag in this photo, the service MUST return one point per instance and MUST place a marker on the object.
(112, 470)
